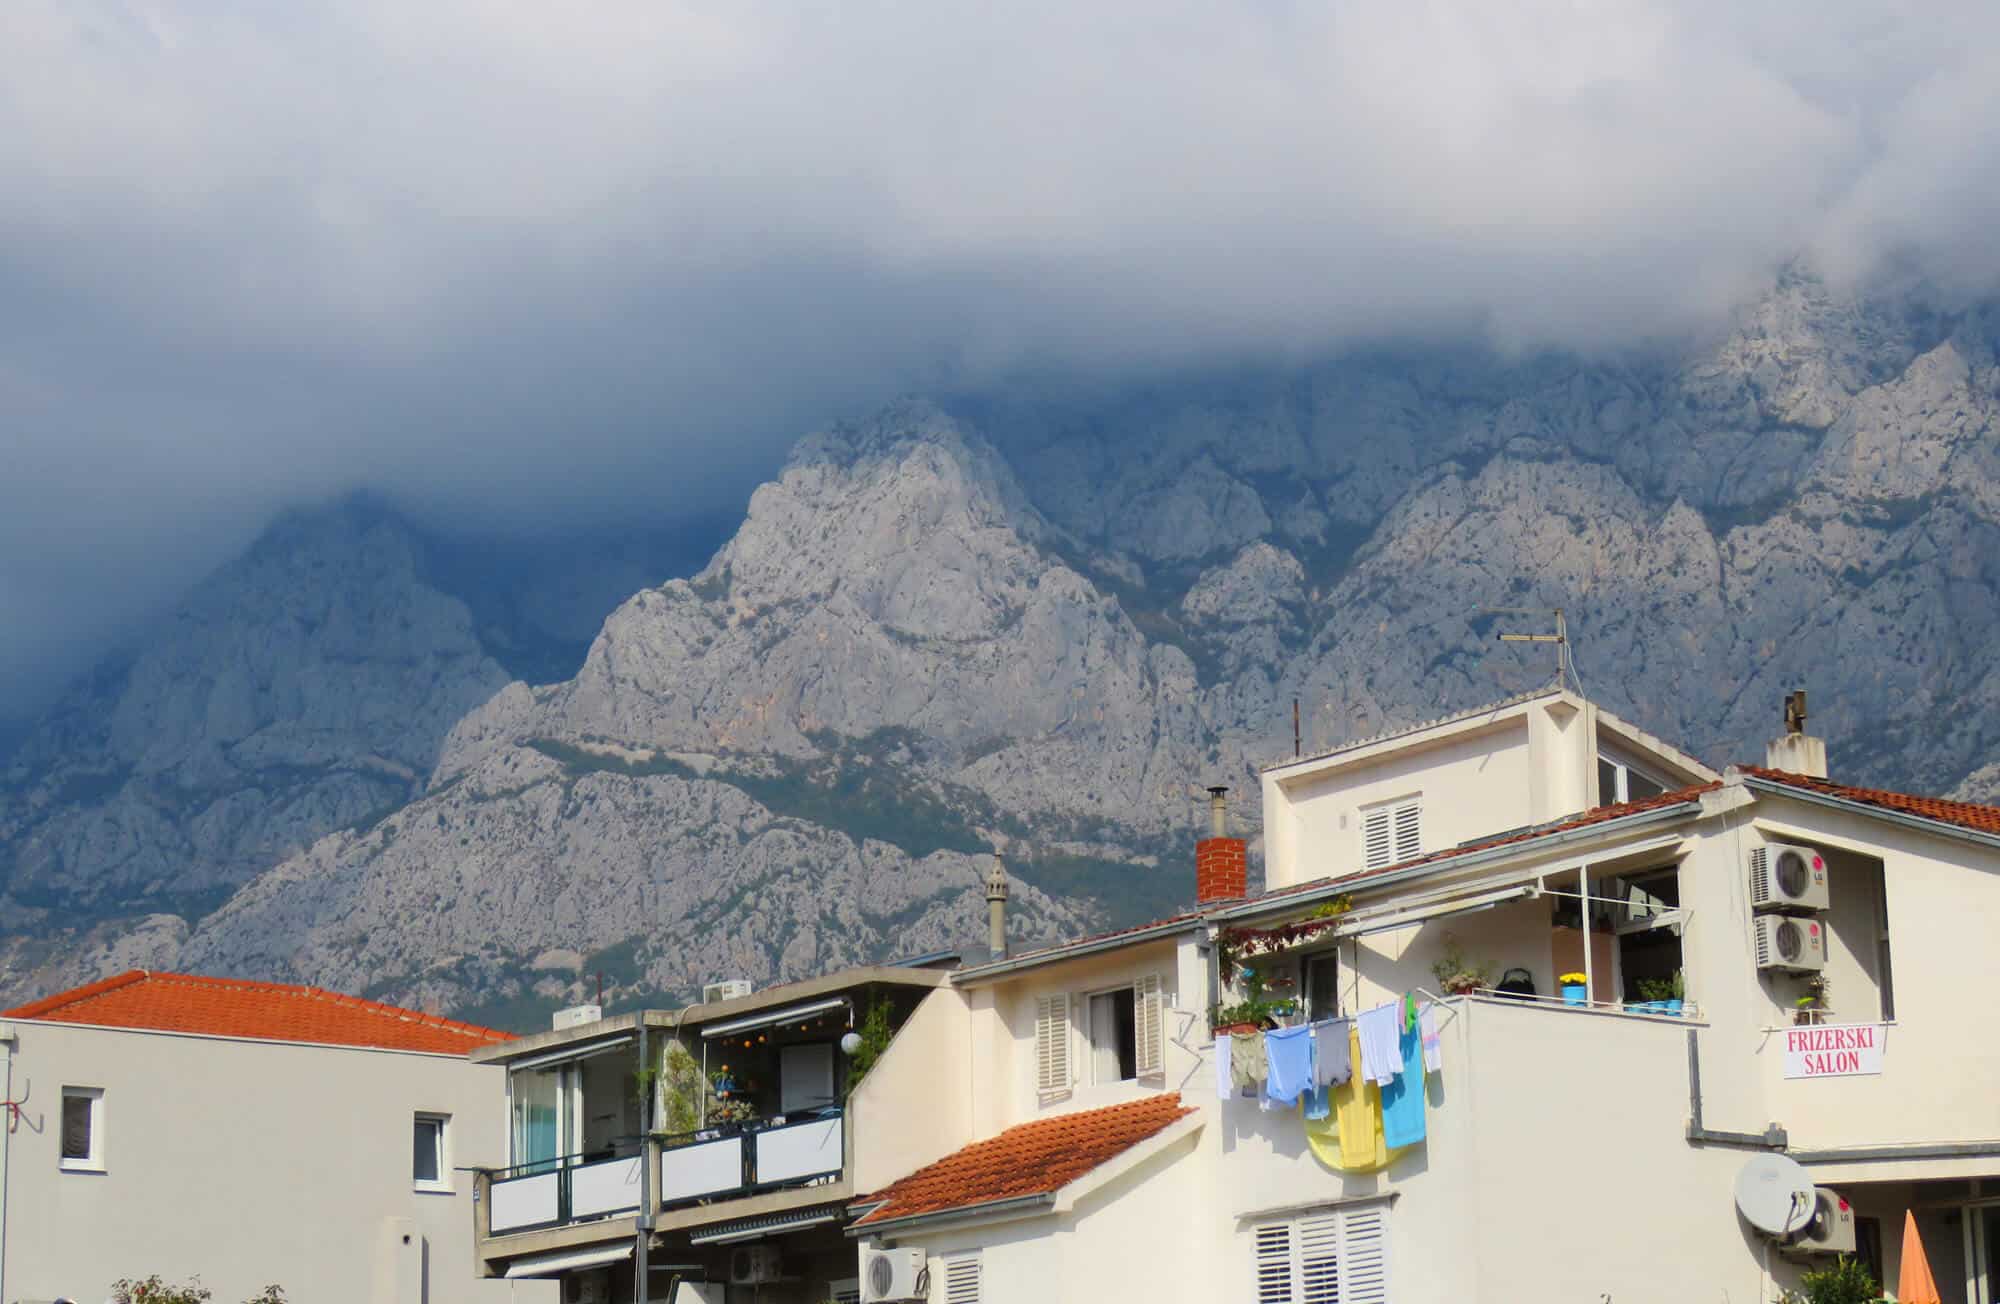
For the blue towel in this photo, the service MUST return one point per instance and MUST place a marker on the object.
(1288, 1063)
(1403, 1098)
(1319, 1102)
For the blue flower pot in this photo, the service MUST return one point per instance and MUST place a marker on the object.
(1574, 994)
(1675, 1006)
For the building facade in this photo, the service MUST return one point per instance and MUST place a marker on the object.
(244, 1133)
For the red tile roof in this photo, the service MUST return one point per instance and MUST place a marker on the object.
(1965, 814)
(233, 1007)
(1038, 1158)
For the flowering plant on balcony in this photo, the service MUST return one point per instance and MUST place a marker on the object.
(1573, 979)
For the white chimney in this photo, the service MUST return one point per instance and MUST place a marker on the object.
(1795, 751)
(996, 909)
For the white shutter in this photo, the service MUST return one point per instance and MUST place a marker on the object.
(1334, 1256)
(1364, 1255)
(961, 1280)
(1052, 1045)
(1274, 1263)
(1409, 830)
(1149, 1037)
(1376, 848)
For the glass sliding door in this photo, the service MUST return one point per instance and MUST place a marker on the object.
(1982, 1256)
(539, 1124)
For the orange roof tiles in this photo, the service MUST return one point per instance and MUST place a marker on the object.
(1965, 814)
(1038, 1158)
(234, 1007)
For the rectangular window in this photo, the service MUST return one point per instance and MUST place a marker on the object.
(1328, 1256)
(1322, 985)
(82, 1129)
(961, 1279)
(429, 1168)
(1618, 782)
(1114, 1028)
(1392, 832)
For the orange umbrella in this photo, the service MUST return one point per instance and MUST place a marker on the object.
(1914, 1284)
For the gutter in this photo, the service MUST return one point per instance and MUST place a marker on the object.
(1019, 1206)
(1499, 854)
(1916, 1150)
(1872, 811)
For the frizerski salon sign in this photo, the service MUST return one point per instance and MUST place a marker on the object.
(1834, 1052)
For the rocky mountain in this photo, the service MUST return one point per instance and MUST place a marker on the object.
(1035, 619)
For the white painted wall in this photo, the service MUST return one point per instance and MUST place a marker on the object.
(915, 1105)
(247, 1163)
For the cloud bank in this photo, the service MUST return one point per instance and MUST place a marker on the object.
(543, 264)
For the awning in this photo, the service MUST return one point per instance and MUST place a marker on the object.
(747, 1229)
(548, 1265)
(772, 1018)
(572, 1053)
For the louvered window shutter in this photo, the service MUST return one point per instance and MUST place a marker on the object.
(1150, 1035)
(1274, 1263)
(961, 1280)
(1377, 849)
(1338, 1256)
(1409, 830)
(1052, 1045)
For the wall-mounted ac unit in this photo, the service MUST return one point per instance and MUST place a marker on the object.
(576, 1016)
(891, 1275)
(1831, 1230)
(724, 991)
(754, 1265)
(1787, 877)
(1785, 942)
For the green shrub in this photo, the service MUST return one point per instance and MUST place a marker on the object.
(1846, 1282)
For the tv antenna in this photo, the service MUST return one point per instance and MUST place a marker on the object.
(1565, 668)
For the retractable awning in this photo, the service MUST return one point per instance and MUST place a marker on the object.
(772, 1018)
(548, 1265)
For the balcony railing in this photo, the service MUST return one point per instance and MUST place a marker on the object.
(795, 1150)
(705, 1166)
(573, 1188)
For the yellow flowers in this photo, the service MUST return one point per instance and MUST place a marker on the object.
(1572, 980)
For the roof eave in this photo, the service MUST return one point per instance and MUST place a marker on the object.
(1002, 968)
(989, 1211)
(1887, 814)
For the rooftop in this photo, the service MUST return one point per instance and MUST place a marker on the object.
(1963, 814)
(1038, 1158)
(235, 1007)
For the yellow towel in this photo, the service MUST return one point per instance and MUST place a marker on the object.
(1350, 1138)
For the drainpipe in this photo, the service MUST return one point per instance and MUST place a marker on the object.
(1773, 1136)
(643, 1231)
(6, 1131)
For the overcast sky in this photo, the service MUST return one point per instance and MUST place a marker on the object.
(534, 262)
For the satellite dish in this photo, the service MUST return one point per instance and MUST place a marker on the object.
(1775, 1195)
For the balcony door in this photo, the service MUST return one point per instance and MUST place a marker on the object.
(542, 1117)
(805, 1077)
(1982, 1255)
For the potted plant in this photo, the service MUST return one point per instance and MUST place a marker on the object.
(1662, 995)
(1573, 989)
(1812, 1007)
(1457, 975)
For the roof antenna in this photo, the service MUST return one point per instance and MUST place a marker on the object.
(1565, 668)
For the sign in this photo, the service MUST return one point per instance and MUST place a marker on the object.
(1833, 1052)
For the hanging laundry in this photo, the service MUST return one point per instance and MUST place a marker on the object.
(1379, 1037)
(1224, 1086)
(1409, 1011)
(1246, 1062)
(1427, 1025)
(1319, 1102)
(1288, 1063)
(1403, 1099)
(1331, 1064)
(1358, 1109)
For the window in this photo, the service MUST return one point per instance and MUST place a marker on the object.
(1052, 1046)
(961, 1279)
(1114, 1027)
(1392, 832)
(1617, 781)
(1322, 985)
(82, 1129)
(1123, 1028)
(430, 1168)
(1327, 1256)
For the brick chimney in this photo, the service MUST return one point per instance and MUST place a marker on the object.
(1795, 751)
(1221, 863)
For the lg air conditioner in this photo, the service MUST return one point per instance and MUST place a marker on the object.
(754, 1265)
(1795, 944)
(891, 1275)
(1787, 877)
(1831, 1229)
(725, 991)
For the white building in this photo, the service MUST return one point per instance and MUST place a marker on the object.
(246, 1133)
(1059, 1134)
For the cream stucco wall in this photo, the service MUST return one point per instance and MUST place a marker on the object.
(247, 1163)
(915, 1105)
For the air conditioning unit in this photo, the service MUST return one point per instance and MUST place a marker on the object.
(724, 991)
(1785, 942)
(1787, 877)
(892, 1275)
(1831, 1230)
(578, 1015)
(754, 1265)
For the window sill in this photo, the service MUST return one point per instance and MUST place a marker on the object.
(430, 1188)
(81, 1166)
